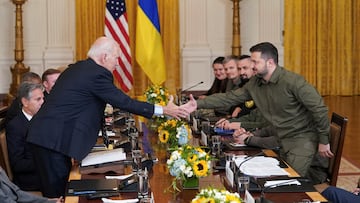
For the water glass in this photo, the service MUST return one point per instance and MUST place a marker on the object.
(146, 200)
(230, 163)
(143, 184)
(134, 140)
(136, 155)
(243, 186)
(205, 126)
(216, 143)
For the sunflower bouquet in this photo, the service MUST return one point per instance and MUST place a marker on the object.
(215, 195)
(174, 132)
(156, 94)
(188, 162)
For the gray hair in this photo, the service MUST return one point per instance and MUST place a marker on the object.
(106, 46)
(26, 88)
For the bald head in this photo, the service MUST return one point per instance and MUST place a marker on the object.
(105, 52)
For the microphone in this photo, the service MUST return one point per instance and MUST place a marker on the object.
(182, 98)
(197, 84)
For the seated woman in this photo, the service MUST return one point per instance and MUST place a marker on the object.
(220, 81)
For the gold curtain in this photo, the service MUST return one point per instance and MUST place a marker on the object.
(322, 43)
(90, 16)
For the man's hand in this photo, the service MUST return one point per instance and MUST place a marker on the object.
(240, 135)
(356, 191)
(191, 105)
(58, 200)
(236, 112)
(175, 111)
(221, 123)
(324, 150)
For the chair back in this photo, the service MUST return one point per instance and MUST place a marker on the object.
(4, 156)
(337, 136)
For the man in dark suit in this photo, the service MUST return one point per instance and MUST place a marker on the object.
(21, 160)
(49, 78)
(68, 123)
(15, 107)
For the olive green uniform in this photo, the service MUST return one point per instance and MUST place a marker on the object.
(292, 106)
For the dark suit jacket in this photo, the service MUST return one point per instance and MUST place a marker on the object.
(21, 158)
(14, 109)
(70, 119)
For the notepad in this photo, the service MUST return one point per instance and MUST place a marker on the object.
(101, 157)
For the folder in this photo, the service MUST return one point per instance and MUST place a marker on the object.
(92, 186)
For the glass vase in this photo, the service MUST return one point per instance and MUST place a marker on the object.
(191, 183)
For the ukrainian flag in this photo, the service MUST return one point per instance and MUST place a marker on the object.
(149, 49)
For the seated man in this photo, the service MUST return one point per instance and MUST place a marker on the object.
(9, 192)
(21, 160)
(15, 108)
(49, 78)
(239, 71)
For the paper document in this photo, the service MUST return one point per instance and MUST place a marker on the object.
(276, 183)
(105, 200)
(122, 177)
(234, 144)
(101, 157)
(260, 166)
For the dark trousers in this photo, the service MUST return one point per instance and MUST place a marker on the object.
(338, 195)
(53, 168)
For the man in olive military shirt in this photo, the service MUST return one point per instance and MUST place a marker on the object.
(287, 101)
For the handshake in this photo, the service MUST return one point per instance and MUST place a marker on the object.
(182, 111)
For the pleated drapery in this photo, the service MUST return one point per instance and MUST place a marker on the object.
(322, 42)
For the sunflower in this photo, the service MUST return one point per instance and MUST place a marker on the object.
(200, 168)
(213, 195)
(163, 136)
(232, 198)
(192, 158)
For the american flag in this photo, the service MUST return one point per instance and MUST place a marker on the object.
(116, 27)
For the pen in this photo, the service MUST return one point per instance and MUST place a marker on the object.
(84, 192)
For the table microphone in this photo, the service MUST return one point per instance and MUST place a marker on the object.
(197, 84)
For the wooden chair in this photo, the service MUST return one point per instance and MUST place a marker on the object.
(4, 157)
(337, 136)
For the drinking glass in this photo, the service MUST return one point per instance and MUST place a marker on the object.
(230, 163)
(243, 186)
(146, 200)
(216, 142)
(134, 140)
(205, 126)
(136, 155)
(143, 184)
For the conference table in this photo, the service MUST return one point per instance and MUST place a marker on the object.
(160, 180)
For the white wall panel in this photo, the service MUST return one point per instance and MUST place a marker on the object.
(49, 36)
